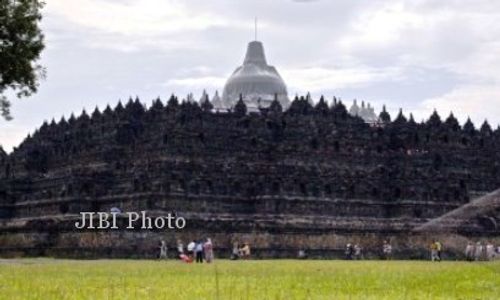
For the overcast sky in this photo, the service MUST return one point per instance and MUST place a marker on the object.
(418, 55)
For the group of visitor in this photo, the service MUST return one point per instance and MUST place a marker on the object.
(240, 251)
(478, 251)
(386, 250)
(353, 252)
(197, 250)
(473, 251)
(202, 251)
(436, 250)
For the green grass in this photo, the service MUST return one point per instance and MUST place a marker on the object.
(271, 279)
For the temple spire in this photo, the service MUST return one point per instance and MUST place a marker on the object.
(255, 28)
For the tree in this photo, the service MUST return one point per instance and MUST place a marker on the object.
(21, 42)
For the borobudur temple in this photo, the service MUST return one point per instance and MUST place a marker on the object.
(284, 176)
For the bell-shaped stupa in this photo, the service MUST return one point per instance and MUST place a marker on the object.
(258, 82)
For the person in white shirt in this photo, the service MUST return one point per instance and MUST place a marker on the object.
(387, 250)
(163, 250)
(357, 251)
(469, 251)
(490, 251)
(190, 249)
(180, 248)
(478, 251)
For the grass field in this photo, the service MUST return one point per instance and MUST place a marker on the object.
(271, 279)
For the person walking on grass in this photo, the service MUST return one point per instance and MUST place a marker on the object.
(439, 249)
(387, 250)
(434, 255)
(349, 251)
(357, 252)
(490, 251)
(478, 251)
(469, 251)
(208, 250)
(190, 249)
(245, 251)
(180, 248)
(235, 254)
(163, 249)
(198, 249)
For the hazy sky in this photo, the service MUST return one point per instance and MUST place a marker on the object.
(418, 55)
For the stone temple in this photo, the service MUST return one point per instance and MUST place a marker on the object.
(281, 176)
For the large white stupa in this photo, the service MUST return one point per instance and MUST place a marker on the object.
(257, 82)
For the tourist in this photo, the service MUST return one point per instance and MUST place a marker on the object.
(190, 249)
(439, 249)
(387, 250)
(469, 251)
(208, 250)
(198, 249)
(245, 251)
(235, 254)
(490, 251)
(180, 248)
(349, 251)
(434, 251)
(163, 249)
(478, 251)
(185, 258)
(357, 252)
